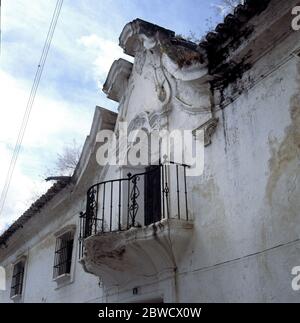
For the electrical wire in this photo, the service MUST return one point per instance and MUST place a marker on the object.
(30, 102)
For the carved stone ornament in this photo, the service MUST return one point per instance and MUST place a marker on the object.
(196, 71)
(140, 34)
(163, 84)
(209, 129)
(150, 121)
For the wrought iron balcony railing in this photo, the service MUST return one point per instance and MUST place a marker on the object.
(136, 201)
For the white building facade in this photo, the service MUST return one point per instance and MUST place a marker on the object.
(152, 233)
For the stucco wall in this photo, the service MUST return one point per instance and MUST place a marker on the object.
(246, 239)
(38, 279)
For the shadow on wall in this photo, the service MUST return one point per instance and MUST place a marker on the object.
(2, 278)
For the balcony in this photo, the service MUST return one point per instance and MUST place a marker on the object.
(137, 226)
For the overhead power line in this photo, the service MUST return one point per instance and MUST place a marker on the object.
(30, 102)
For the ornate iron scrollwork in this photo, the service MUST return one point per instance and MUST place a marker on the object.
(134, 194)
(104, 212)
(91, 211)
(166, 192)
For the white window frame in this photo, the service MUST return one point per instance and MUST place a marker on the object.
(19, 296)
(66, 278)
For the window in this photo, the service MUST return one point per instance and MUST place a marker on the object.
(152, 195)
(17, 279)
(63, 254)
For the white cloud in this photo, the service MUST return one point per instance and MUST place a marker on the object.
(21, 190)
(52, 123)
(55, 119)
(102, 52)
(50, 117)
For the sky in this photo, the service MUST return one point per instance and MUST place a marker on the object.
(84, 46)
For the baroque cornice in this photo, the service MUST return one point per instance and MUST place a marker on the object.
(117, 80)
(140, 34)
(194, 72)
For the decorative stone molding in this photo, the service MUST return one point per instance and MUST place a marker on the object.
(158, 120)
(150, 121)
(123, 257)
(140, 34)
(195, 71)
(117, 79)
(193, 99)
(191, 87)
(139, 122)
(163, 84)
(209, 129)
(180, 69)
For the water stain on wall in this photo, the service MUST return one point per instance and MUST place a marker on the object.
(287, 155)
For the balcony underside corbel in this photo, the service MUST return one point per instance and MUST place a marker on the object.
(120, 258)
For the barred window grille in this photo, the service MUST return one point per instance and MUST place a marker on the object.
(17, 279)
(63, 254)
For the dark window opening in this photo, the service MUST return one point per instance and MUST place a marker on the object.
(63, 254)
(152, 195)
(17, 279)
